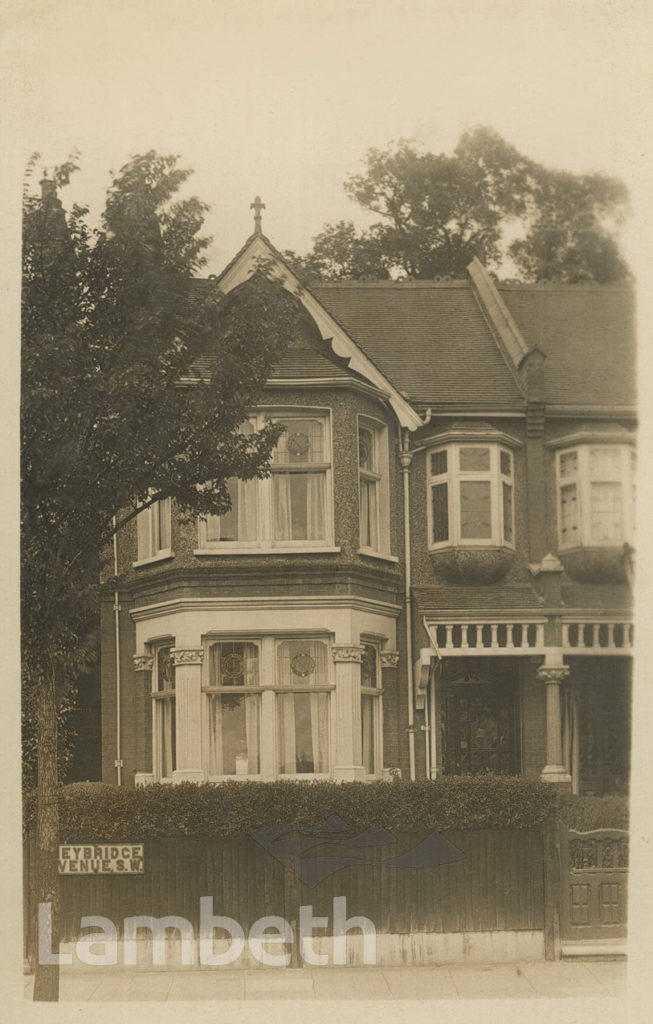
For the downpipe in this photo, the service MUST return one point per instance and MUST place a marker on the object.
(116, 624)
(405, 459)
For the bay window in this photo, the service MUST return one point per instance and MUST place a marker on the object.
(292, 508)
(470, 495)
(164, 722)
(595, 485)
(269, 707)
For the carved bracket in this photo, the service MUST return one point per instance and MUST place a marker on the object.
(389, 659)
(143, 662)
(352, 654)
(187, 655)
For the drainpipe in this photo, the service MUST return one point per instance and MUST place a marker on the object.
(116, 621)
(405, 458)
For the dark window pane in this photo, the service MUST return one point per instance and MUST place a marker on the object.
(506, 463)
(438, 463)
(439, 505)
(507, 513)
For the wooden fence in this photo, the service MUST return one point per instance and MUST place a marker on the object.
(498, 885)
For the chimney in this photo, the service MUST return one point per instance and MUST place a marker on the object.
(48, 189)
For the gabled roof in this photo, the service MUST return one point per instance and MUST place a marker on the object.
(432, 339)
(259, 247)
(587, 333)
(460, 345)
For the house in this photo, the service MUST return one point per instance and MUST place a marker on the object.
(434, 578)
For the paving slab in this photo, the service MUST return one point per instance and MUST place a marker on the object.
(420, 983)
(280, 984)
(204, 986)
(351, 983)
(499, 981)
(562, 980)
(135, 987)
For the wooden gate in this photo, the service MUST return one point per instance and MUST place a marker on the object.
(594, 885)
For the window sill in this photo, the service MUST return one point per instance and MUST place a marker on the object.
(226, 552)
(377, 554)
(162, 556)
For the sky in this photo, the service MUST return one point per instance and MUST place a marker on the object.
(282, 99)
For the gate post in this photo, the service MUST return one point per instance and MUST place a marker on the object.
(552, 889)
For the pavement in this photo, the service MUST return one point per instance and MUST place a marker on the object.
(527, 980)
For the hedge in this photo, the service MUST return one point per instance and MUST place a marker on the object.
(93, 812)
(585, 813)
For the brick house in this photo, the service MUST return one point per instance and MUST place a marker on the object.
(436, 575)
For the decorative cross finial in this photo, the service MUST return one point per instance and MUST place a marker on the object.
(257, 206)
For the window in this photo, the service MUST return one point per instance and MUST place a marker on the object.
(302, 713)
(370, 708)
(163, 696)
(373, 486)
(269, 707)
(153, 526)
(234, 709)
(595, 495)
(292, 508)
(471, 496)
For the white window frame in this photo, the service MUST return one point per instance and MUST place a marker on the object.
(159, 698)
(263, 489)
(269, 689)
(380, 474)
(453, 476)
(375, 692)
(148, 527)
(583, 479)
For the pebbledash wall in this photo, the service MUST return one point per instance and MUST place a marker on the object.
(520, 646)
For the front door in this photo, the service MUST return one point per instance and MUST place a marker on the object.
(481, 727)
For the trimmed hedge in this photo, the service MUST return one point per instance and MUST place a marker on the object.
(95, 812)
(585, 813)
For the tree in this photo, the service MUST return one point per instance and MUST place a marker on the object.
(440, 211)
(116, 415)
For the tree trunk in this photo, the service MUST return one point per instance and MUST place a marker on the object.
(47, 886)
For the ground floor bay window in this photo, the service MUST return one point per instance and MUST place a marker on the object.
(269, 707)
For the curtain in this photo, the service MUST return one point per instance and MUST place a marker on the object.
(367, 724)
(143, 529)
(299, 500)
(162, 512)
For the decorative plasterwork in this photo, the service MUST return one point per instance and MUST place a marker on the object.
(389, 659)
(187, 655)
(352, 654)
(259, 247)
(552, 674)
(143, 662)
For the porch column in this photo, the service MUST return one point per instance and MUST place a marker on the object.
(348, 743)
(552, 676)
(188, 713)
(143, 664)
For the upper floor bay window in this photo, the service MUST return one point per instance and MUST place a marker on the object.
(470, 496)
(595, 495)
(373, 487)
(153, 529)
(293, 507)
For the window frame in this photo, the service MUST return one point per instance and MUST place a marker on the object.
(264, 491)
(376, 693)
(582, 479)
(159, 698)
(453, 476)
(269, 689)
(380, 475)
(149, 525)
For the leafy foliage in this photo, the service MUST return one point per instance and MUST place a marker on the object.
(588, 812)
(114, 413)
(440, 211)
(90, 812)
